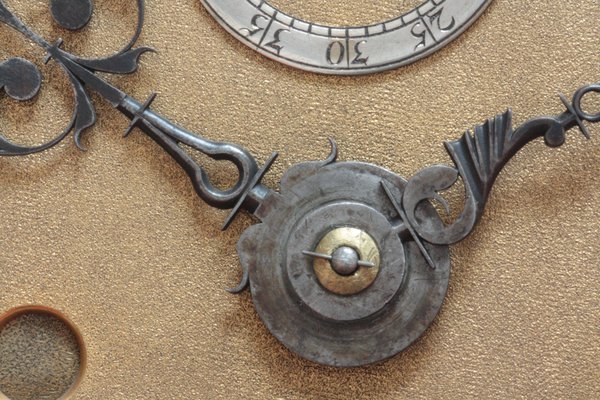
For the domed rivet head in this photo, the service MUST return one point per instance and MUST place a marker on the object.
(344, 260)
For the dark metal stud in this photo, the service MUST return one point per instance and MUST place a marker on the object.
(72, 14)
(20, 79)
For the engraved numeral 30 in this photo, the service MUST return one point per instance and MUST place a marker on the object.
(337, 53)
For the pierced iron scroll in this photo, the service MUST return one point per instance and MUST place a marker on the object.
(22, 80)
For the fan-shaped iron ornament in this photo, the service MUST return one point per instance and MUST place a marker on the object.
(350, 262)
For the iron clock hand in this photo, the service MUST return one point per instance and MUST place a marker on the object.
(350, 262)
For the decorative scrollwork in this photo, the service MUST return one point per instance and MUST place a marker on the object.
(21, 80)
(479, 157)
(72, 15)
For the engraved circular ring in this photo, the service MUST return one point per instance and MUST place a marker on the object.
(346, 50)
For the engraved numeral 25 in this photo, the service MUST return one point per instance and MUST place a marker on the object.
(425, 27)
(336, 53)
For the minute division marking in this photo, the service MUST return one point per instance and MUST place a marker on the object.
(432, 25)
(348, 47)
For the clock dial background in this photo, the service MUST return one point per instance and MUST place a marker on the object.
(116, 239)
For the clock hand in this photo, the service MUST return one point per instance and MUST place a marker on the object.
(328, 316)
(350, 262)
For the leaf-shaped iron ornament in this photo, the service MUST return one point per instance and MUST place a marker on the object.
(350, 262)
(18, 74)
(21, 80)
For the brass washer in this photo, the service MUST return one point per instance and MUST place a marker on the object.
(367, 250)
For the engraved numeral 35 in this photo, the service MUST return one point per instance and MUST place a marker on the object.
(255, 27)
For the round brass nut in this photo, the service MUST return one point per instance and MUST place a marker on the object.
(367, 250)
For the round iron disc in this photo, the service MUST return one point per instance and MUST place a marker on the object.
(316, 323)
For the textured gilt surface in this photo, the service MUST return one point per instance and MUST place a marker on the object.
(116, 239)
